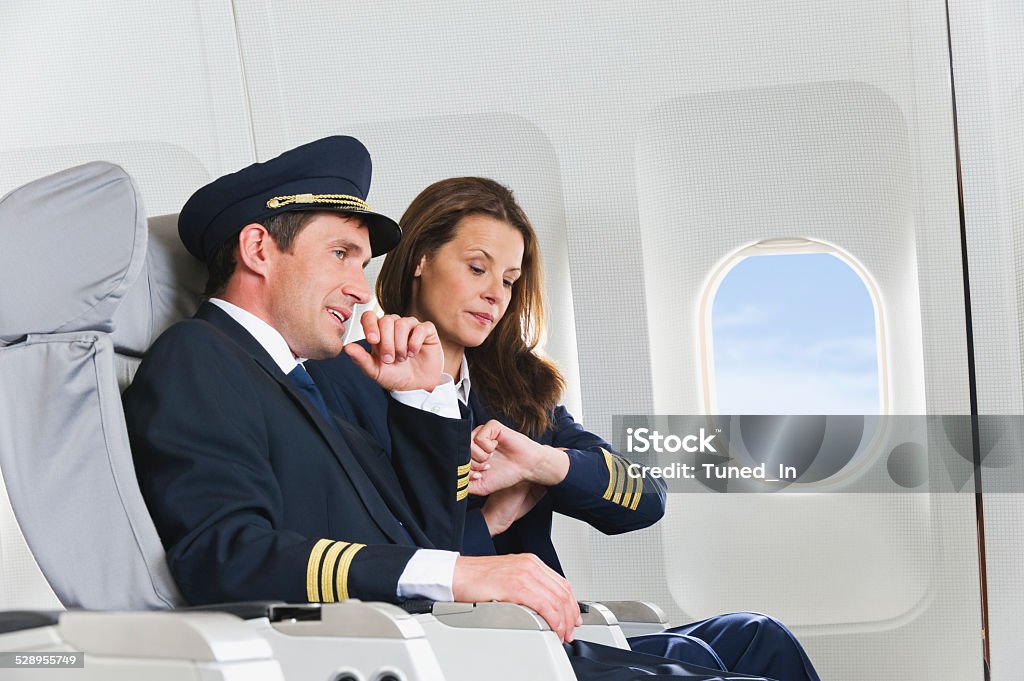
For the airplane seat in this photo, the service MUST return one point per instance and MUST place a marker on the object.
(74, 531)
(74, 244)
(169, 289)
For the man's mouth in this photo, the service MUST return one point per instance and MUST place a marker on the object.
(340, 315)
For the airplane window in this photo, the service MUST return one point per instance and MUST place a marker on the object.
(794, 334)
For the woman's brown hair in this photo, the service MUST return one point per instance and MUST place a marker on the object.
(511, 378)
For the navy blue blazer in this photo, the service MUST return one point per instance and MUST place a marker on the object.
(256, 495)
(597, 488)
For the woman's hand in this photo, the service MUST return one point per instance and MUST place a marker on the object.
(506, 506)
(507, 457)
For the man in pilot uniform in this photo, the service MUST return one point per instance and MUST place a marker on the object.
(257, 490)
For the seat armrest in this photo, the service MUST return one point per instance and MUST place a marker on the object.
(124, 646)
(490, 615)
(19, 620)
(365, 640)
(199, 636)
(508, 641)
(417, 606)
(599, 626)
(637, 618)
(594, 613)
(636, 611)
(348, 619)
(246, 610)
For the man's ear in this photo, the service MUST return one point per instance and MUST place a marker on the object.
(255, 247)
(419, 266)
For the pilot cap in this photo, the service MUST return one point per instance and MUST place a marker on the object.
(330, 174)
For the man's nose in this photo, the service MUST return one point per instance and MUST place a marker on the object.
(358, 289)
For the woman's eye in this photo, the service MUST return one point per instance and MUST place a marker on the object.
(509, 283)
(476, 270)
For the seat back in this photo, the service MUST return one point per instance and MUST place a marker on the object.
(80, 302)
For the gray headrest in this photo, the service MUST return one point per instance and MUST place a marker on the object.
(71, 245)
(169, 289)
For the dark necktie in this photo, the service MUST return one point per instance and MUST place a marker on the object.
(304, 382)
(466, 411)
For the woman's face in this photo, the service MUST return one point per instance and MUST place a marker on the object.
(466, 285)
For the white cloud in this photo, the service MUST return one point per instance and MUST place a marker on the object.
(745, 316)
(848, 350)
(792, 353)
(771, 390)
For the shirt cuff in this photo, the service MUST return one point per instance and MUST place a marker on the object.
(429, 574)
(442, 400)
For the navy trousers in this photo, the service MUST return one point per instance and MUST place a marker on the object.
(739, 642)
(595, 662)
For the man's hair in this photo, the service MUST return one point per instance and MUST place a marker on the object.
(283, 228)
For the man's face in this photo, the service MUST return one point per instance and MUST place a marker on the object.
(311, 288)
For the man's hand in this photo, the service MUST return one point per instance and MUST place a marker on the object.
(519, 578)
(405, 352)
(510, 504)
(503, 457)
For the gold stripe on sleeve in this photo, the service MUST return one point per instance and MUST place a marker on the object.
(627, 499)
(462, 487)
(343, 567)
(611, 474)
(620, 483)
(636, 496)
(313, 570)
(463, 470)
(327, 571)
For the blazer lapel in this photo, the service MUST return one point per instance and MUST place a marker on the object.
(378, 474)
(347, 451)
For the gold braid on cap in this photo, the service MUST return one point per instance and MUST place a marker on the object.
(343, 200)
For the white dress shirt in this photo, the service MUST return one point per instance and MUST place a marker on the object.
(463, 385)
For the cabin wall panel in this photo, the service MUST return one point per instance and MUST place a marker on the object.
(155, 87)
(836, 162)
(988, 71)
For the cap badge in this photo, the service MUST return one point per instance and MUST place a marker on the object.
(342, 200)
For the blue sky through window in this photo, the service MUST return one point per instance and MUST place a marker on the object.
(794, 334)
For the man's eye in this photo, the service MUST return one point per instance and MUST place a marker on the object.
(339, 253)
